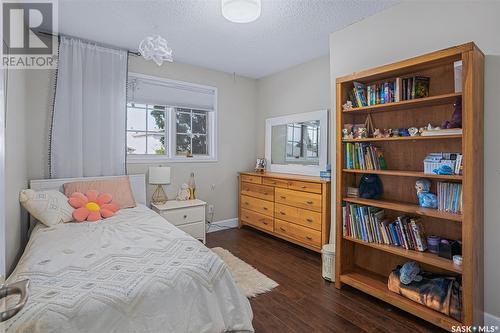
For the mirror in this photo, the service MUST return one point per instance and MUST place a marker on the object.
(297, 143)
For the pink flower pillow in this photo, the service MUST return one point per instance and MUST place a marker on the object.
(92, 206)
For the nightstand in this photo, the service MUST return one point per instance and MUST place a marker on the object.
(189, 216)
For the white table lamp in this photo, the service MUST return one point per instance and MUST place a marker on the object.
(159, 176)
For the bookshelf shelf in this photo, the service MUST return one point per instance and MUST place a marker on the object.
(423, 257)
(402, 173)
(378, 260)
(406, 208)
(408, 138)
(376, 285)
(409, 104)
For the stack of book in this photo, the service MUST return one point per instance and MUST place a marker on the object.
(449, 197)
(369, 224)
(364, 156)
(389, 91)
(414, 87)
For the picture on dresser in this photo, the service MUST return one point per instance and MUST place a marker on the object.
(298, 143)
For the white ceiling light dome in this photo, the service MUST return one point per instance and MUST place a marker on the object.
(241, 11)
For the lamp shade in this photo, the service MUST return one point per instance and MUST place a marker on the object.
(159, 175)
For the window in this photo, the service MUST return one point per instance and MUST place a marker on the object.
(167, 131)
(146, 129)
(191, 132)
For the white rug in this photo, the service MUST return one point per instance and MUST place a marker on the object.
(251, 281)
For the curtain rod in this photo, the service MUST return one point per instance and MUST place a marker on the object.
(88, 41)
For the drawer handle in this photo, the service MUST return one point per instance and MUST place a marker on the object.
(303, 186)
(265, 208)
(283, 197)
(274, 183)
(282, 229)
(282, 213)
(309, 202)
(246, 203)
(265, 193)
(309, 220)
(185, 216)
(265, 223)
(309, 237)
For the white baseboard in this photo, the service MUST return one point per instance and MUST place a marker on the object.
(223, 224)
(491, 320)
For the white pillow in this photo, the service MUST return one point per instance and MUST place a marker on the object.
(49, 207)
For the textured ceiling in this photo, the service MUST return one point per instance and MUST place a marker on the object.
(289, 32)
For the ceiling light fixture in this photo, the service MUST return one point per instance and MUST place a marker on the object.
(156, 48)
(241, 11)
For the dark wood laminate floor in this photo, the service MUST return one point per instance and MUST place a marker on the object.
(303, 301)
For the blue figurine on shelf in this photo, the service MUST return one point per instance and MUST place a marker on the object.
(425, 198)
(410, 272)
(444, 170)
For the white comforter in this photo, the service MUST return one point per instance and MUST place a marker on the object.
(133, 272)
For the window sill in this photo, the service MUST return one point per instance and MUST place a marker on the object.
(151, 159)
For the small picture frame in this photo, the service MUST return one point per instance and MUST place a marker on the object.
(260, 165)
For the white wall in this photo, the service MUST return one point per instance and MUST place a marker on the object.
(236, 120)
(302, 88)
(382, 39)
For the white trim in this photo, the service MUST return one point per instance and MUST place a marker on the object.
(226, 224)
(491, 320)
(312, 170)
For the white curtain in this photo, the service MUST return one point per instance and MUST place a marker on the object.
(89, 120)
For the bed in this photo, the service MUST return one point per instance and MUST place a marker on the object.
(133, 272)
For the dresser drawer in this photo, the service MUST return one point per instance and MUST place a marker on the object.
(302, 234)
(197, 230)
(275, 182)
(257, 205)
(251, 179)
(299, 199)
(185, 215)
(304, 186)
(257, 220)
(258, 191)
(303, 217)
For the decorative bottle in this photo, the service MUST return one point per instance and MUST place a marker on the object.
(192, 187)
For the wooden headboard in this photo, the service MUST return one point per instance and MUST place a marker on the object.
(137, 182)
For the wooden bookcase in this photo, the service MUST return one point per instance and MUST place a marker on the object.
(366, 266)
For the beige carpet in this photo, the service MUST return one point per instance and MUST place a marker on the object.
(251, 281)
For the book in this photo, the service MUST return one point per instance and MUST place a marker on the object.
(420, 87)
(359, 90)
(449, 197)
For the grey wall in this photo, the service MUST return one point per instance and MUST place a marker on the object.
(302, 88)
(380, 39)
(16, 162)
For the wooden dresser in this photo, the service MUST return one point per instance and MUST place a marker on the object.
(292, 207)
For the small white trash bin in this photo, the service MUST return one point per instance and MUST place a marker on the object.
(328, 257)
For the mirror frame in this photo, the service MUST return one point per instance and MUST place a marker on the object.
(311, 170)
